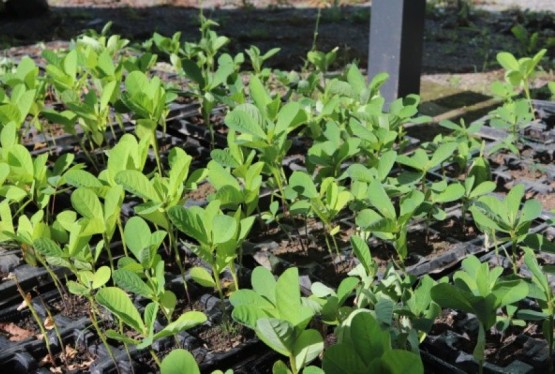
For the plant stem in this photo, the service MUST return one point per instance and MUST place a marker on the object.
(293, 364)
(37, 319)
(174, 247)
(99, 332)
(155, 357)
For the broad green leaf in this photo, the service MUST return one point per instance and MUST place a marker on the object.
(276, 334)
(224, 229)
(202, 277)
(48, 247)
(179, 361)
(184, 322)
(308, 345)
(379, 199)
(264, 283)
(342, 359)
(362, 253)
(137, 183)
(131, 282)
(87, 204)
(118, 303)
(288, 295)
(137, 235)
(101, 277)
(397, 361)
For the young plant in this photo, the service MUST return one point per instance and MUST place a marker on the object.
(438, 194)
(541, 291)
(384, 222)
(519, 73)
(120, 305)
(493, 215)
(326, 204)
(279, 315)
(512, 116)
(363, 346)
(482, 292)
(258, 59)
(219, 238)
(472, 192)
(148, 101)
(327, 156)
(264, 126)
(422, 163)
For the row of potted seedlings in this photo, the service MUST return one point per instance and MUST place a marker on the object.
(183, 225)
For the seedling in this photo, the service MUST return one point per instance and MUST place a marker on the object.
(493, 215)
(120, 305)
(279, 316)
(326, 204)
(384, 222)
(365, 347)
(264, 127)
(520, 72)
(219, 238)
(480, 291)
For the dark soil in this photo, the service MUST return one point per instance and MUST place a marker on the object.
(220, 338)
(72, 306)
(454, 228)
(201, 192)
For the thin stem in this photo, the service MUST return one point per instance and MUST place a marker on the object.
(37, 319)
(99, 332)
(175, 248)
(155, 357)
(293, 365)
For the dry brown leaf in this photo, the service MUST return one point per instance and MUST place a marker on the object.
(49, 323)
(25, 303)
(56, 370)
(16, 333)
(39, 145)
(70, 352)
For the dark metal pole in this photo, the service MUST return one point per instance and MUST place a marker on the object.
(396, 38)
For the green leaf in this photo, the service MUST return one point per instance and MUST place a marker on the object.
(224, 229)
(101, 277)
(507, 61)
(264, 283)
(131, 282)
(303, 185)
(179, 361)
(308, 345)
(379, 199)
(137, 235)
(342, 359)
(398, 361)
(118, 303)
(202, 277)
(137, 183)
(280, 367)
(362, 253)
(288, 295)
(276, 334)
(87, 204)
(48, 247)
(243, 122)
(184, 322)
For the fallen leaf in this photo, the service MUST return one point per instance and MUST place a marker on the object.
(16, 333)
(39, 145)
(49, 323)
(70, 352)
(25, 303)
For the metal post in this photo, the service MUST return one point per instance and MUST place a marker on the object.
(396, 38)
